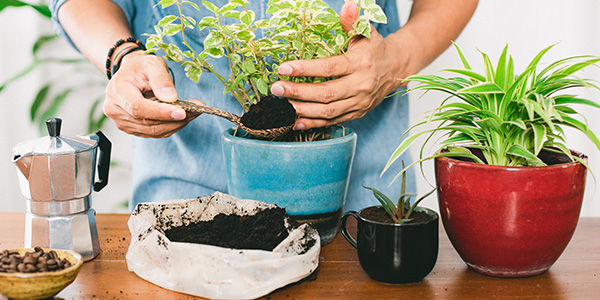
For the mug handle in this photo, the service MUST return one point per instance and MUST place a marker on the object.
(344, 229)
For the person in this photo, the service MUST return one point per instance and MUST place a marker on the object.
(178, 155)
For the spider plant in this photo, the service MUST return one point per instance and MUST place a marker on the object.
(510, 117)
(400, 211)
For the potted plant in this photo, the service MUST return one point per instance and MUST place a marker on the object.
(509, 189)
(396, 243)
(309, 179)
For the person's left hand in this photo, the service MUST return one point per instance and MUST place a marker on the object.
(363, 77)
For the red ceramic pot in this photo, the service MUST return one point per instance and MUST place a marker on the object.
(509, 221)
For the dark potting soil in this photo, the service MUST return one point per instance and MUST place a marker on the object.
(378, 214)
(263, 231)
(269, 112)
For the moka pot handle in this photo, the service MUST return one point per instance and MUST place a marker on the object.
(104, 149)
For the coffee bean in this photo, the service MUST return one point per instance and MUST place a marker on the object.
(31, 262)
(30, 269)
(29, 259)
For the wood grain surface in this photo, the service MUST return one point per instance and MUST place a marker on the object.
(576, 275)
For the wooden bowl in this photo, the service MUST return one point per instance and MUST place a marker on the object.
(40, 285)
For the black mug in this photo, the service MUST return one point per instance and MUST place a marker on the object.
(395, 253)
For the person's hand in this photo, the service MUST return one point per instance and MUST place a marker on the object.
(142, 76)
(363, 77)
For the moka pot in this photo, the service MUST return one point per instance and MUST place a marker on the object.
(57, 175)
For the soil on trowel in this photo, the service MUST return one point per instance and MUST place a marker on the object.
(378, 214)
(262, 231)
(270, 112)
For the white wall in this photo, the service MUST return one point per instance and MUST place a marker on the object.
(528, 26)
(19, 28)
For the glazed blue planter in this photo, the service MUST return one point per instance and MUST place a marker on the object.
(308, 179)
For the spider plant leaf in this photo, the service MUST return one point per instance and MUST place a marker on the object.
(565, 110)
(518, 122)
(490, 123)
(539, 132)
(474, 76)
(401, 149)
(576, 124)
(563, 149)
(482, 88)
(501, 69)
(489, 67)
(461, 152)
(509, 77)
(569, 70)
(462, 57)
(536, 60)
(574, 100)
(520, 151)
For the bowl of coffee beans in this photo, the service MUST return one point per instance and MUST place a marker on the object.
(37, 273)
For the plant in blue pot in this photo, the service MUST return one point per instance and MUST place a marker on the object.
(306, 172)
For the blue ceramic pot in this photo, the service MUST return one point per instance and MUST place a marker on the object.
(308, 179)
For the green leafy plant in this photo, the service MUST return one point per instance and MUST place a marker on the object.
(400, 211)
(254, 49)
(510, 117)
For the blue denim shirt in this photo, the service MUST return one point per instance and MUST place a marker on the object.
(190, 164)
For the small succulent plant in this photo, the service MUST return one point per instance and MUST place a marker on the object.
(401, 211)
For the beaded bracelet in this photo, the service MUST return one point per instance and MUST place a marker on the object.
(119, 57)
(112, 50)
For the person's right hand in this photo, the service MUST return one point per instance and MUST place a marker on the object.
(142, 76)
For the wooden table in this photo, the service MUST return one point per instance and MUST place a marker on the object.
(576, 275)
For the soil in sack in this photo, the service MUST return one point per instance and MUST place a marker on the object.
(262, 231)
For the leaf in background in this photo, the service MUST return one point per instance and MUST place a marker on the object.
(22, 73)
(95, 124)
(40, 97)
(50, 112)
(42, 9)
(41, 41)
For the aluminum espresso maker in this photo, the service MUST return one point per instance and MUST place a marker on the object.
(56, 175)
